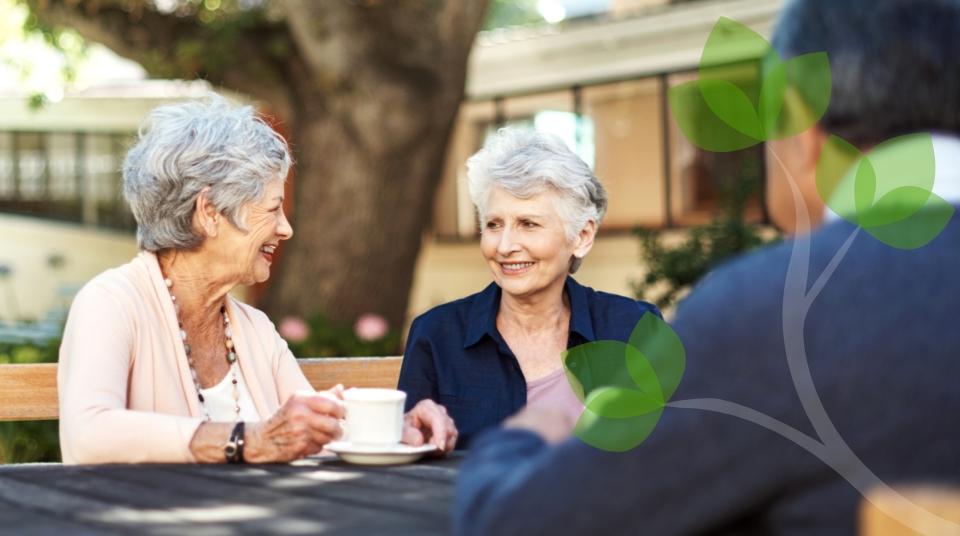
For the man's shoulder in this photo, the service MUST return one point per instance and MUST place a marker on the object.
(754, 282)
(751, 283)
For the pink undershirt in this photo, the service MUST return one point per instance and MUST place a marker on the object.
(553, 391)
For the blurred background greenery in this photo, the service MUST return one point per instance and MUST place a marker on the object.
(674, 268)
(29, 441)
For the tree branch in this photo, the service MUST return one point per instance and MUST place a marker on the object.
(136, 34)
(179, 45)
(341, 40)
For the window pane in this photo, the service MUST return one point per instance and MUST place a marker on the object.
(553, 112)
(112, 210)
(62, 150)
(703, 183)
(626, 119)
(100, 166)
(33, 166)
(6, 165)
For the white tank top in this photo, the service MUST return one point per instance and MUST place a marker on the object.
(219, 399)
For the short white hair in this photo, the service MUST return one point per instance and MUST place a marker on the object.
(188, 146)
(525, 162)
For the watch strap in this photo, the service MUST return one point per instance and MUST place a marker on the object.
(234, 448)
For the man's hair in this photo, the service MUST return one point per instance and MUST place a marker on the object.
(895, 64)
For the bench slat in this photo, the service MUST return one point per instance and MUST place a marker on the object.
(29, 392)
(323, 373)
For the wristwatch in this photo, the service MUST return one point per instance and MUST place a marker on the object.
(234, 448)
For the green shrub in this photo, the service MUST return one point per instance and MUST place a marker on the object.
(671, 271)
(321, 337)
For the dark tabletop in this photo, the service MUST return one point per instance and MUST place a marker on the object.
(313, 496)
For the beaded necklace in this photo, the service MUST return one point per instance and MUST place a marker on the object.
(230, 354)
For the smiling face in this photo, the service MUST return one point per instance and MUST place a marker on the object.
(248, 255)
(525, 244)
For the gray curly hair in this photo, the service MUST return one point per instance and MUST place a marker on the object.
(525, 162)
(185, 147)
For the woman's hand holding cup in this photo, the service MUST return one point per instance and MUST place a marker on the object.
(301, 427)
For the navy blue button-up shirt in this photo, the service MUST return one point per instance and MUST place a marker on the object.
(456, 356)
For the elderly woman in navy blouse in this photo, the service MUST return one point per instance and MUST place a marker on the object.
(485, 356)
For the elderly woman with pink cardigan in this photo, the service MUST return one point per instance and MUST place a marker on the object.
(158, 363)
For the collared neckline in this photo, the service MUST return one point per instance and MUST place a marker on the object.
(482, 315)
(946, 185)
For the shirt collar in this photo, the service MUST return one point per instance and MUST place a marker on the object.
(946, 183)
(482, 316)
(580, 320)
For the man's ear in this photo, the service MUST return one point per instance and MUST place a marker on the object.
(206, 217)
(811, 146)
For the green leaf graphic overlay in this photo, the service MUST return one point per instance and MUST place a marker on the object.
(736, 104)
(887, 192)
(625, 386)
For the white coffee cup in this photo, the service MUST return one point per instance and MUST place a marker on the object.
(374, 417)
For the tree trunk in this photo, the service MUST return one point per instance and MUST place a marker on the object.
(376, 102)
(359, 211)
(368, 90)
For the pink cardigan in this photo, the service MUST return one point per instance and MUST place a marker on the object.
(126, 393)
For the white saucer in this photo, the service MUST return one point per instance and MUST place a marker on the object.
(375, 455)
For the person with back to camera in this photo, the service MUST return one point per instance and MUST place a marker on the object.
(880, 339)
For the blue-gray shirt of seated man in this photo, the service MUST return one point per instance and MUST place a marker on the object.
(456, 356)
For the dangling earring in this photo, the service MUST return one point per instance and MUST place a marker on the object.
(575, 262)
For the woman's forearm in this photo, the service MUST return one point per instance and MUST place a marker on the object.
(93, 434)
(209, 440)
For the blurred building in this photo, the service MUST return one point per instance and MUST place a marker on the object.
(62, 214)
(600, 82)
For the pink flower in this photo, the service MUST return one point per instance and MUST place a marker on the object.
(294, 329)
(371, 327)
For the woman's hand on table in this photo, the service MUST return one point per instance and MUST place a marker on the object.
(428, 422)
(301, 427)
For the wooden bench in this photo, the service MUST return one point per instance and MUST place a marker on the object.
(29, 392)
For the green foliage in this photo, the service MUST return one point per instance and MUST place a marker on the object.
(29, 34)
(26, 353)
(208, 52)
(29, 441)
(504, 13)
(674, 269)
(330, 339)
